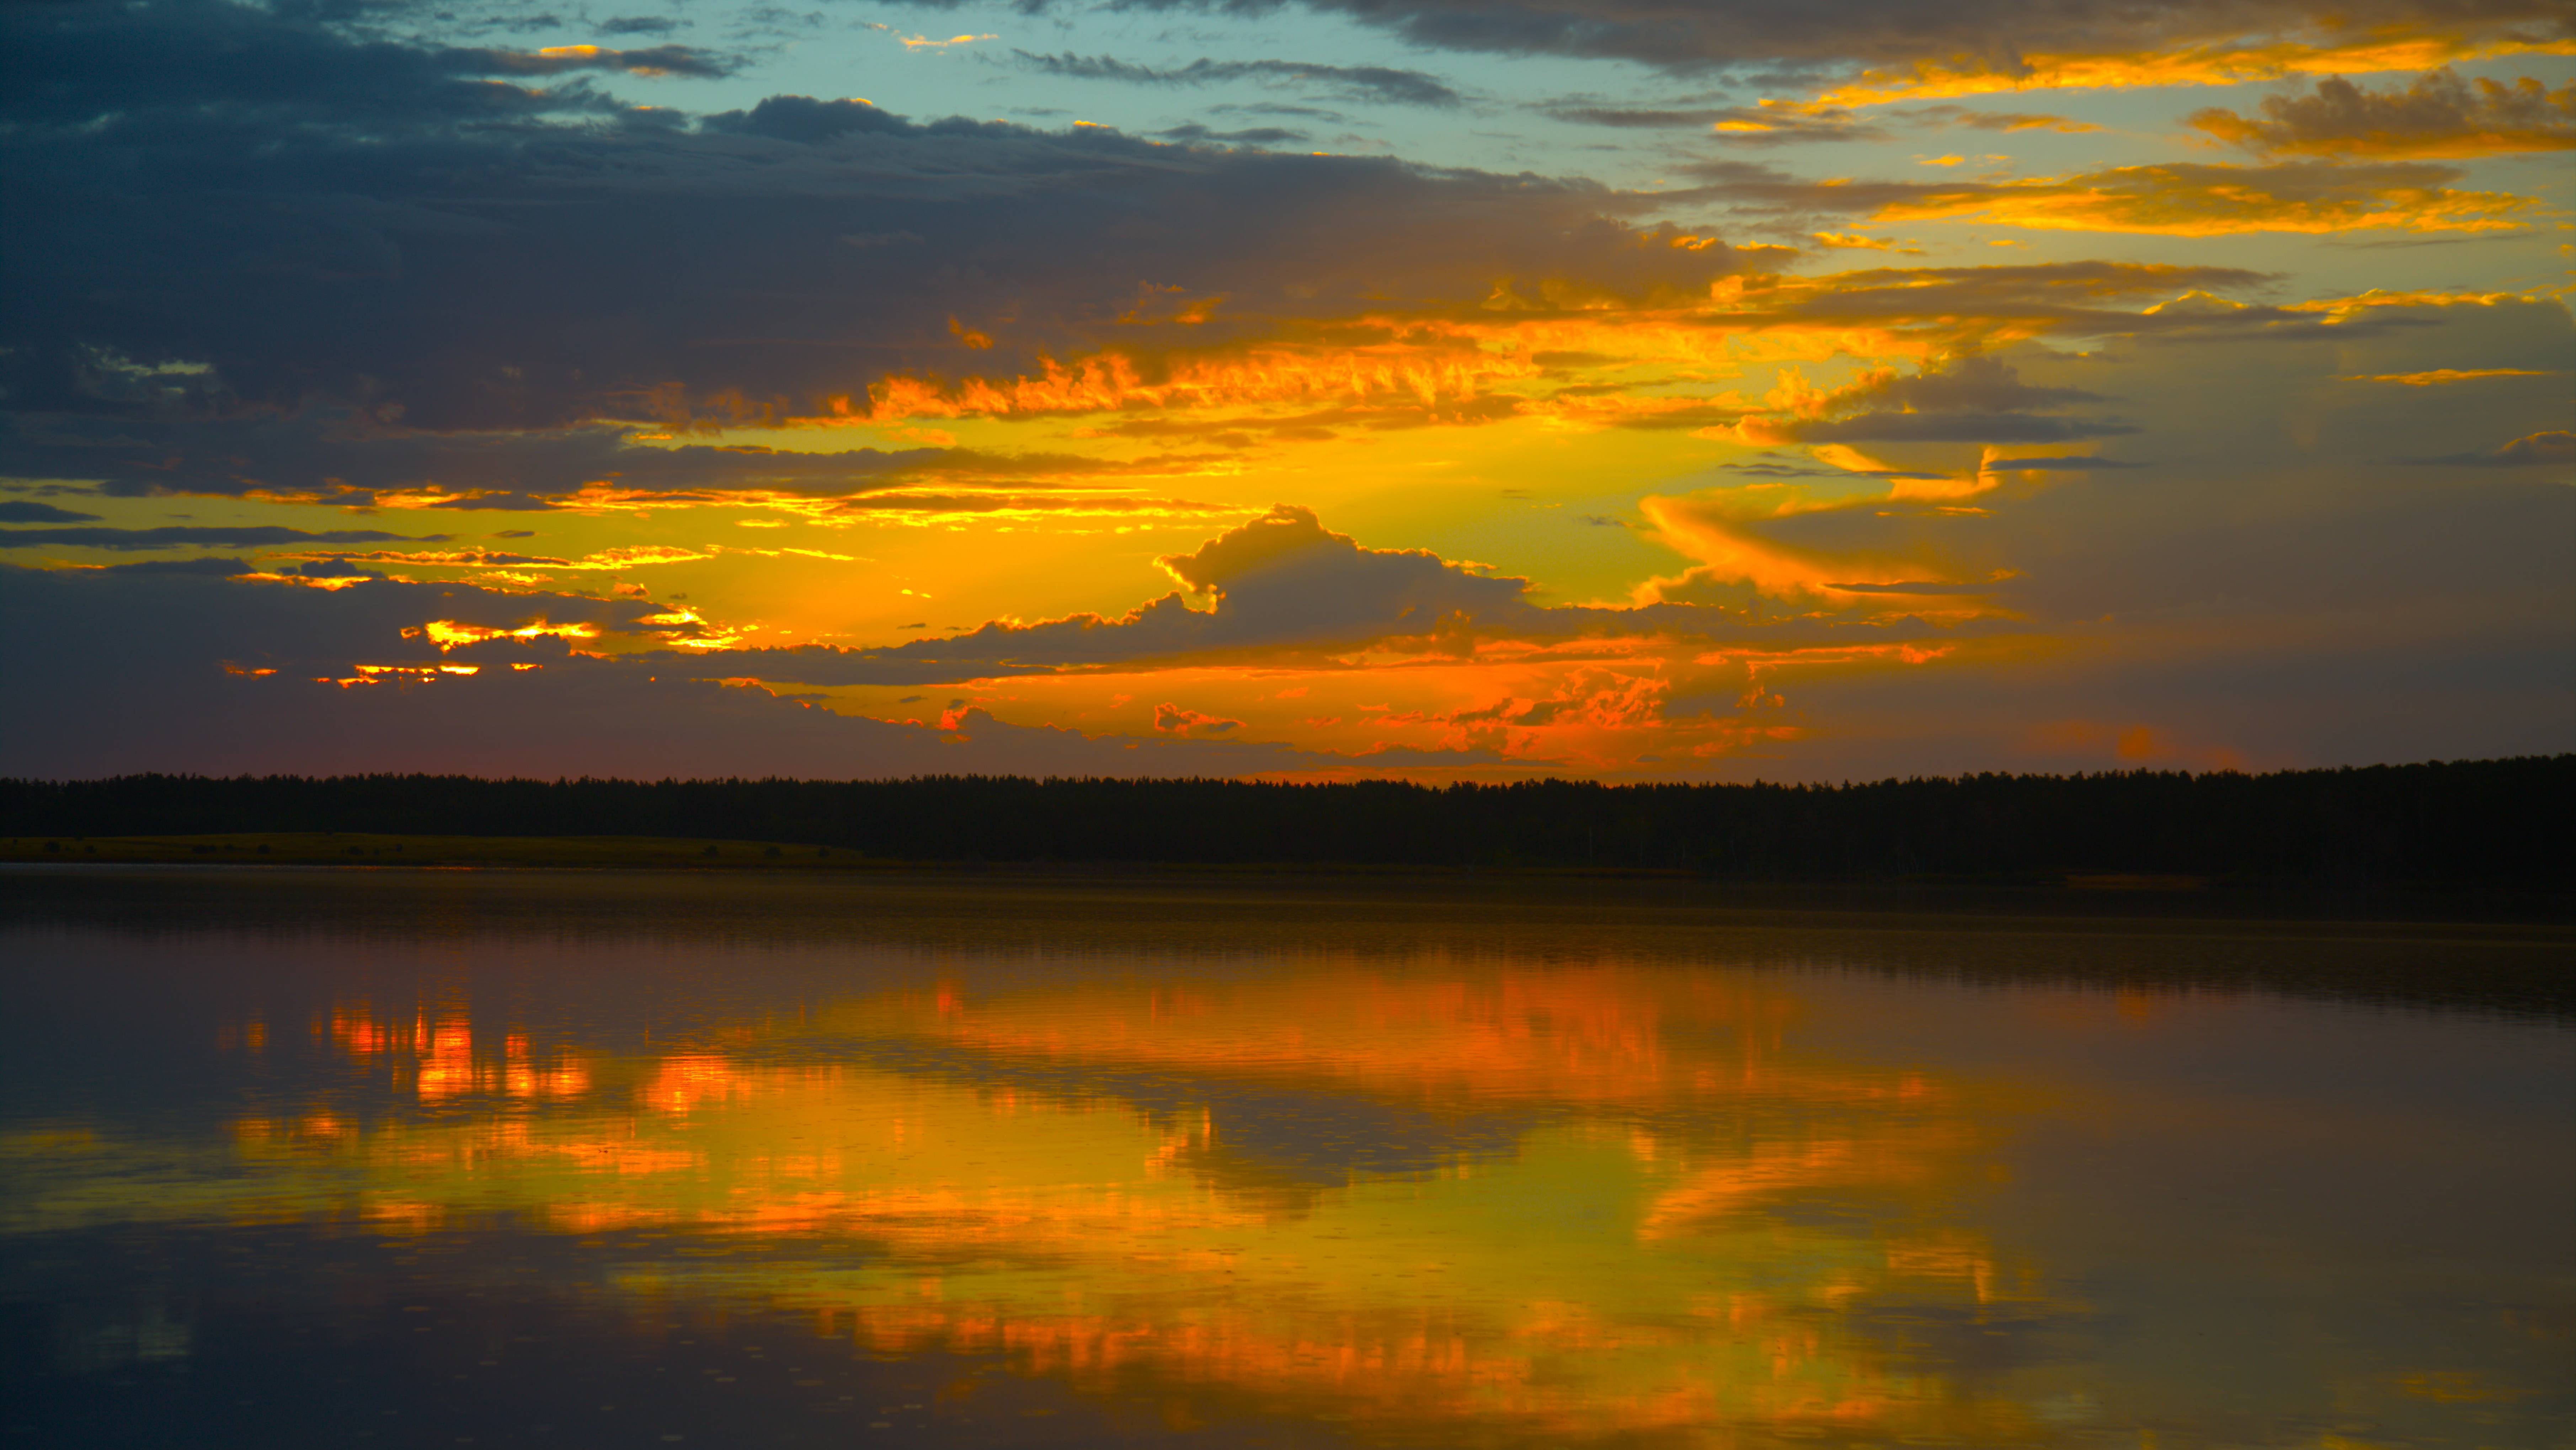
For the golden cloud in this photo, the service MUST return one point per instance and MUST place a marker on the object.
(2196, 200)
(2217, 63)
(2438, 116)
(1489, 364)
(2439, 376)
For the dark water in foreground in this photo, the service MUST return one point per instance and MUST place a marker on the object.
(388, 1159)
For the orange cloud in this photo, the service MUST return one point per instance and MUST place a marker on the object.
(1488, 364)
(2439, 376)
(1171, 719)
(1417, 367)
(2195, 200)
(2227, 62)
(2438, 116)
(447, 634)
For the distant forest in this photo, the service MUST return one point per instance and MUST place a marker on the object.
(2497, 823)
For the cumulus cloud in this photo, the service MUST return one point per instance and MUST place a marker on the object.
(1280, 581)
(2437, 115)
(1283, 589)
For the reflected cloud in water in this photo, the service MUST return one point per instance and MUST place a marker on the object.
(1606, 1187)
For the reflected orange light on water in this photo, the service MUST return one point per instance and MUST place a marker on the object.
(440, 1059)
(1592, 1228)
(1443, 1177)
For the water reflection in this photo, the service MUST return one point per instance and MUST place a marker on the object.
(1600, 1188)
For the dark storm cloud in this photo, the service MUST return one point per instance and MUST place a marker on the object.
(1351, 82)
(180, 536)
(224, 66)
(214, 212)
(22, 511)
(1740, 34)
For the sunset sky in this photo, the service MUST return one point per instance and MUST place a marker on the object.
(1455, 389)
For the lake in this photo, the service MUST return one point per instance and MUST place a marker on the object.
(387, 1158)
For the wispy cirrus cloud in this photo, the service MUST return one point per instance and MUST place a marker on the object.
(1896, 49)
(2173, 199)
(1383, 84)
(196, 536)
(2437, 377)
(1763, 124)
(335, 459)
(2550, 448)
(555, 60)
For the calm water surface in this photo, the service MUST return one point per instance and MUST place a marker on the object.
(554, 1159)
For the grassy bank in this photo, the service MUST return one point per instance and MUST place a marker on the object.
(362, 848)
(2048, 893)
(357, 848)
(2446, 826)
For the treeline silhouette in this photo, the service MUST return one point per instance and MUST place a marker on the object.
(2495, 823)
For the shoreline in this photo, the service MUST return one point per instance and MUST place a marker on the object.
(2074, 896)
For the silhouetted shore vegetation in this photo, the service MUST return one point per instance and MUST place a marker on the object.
(2496, 824)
